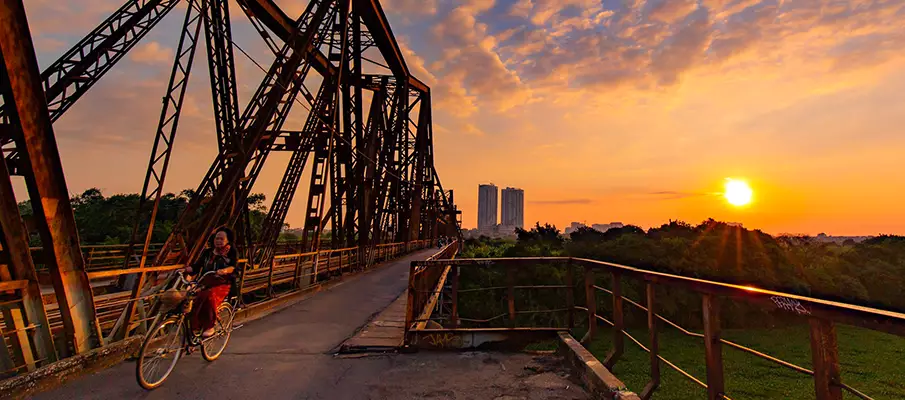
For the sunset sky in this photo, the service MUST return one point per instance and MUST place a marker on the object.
(618, 110)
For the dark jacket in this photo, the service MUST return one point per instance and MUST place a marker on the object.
(208, 261)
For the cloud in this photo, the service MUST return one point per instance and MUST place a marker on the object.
(669, 11)
(683, 49)
(562, 202)
(470, 59)
(53, 16)
(471, 130)
(151, 53)
(445, 96)
(521, 8)
(407, 7)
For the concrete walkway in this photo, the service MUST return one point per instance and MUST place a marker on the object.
(290, 355)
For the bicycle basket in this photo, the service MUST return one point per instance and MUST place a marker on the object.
(171, 298)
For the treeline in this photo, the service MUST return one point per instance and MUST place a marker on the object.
(870, 273)
(109, 220)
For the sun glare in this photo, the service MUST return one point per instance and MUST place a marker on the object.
(737, 192)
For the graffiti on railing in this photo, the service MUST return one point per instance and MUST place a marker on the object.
(787, 304)
(444, 340)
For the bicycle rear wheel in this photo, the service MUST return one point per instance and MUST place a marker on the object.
(159, 353)
(212, 347)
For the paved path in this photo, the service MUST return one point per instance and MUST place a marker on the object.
(285, 355)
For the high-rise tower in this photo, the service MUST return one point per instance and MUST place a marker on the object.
(487, 206)
(513, 208)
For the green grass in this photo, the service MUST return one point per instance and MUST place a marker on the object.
(871, 362)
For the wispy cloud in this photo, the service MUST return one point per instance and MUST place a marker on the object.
(674, 195)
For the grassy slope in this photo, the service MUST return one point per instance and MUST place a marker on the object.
(872, 362)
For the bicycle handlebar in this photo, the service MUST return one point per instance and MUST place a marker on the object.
(182, 281)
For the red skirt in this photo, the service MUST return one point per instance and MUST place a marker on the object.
(204, 309)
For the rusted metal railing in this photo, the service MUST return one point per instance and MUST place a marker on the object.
(822, 315)
(422, 280)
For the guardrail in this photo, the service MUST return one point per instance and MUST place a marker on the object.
(113, 256)
(822, 315)
(423, 280)
(288, 273)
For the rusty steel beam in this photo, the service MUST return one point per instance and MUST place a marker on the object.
(45, 180)
(231, 175)
(311, 134)
(158, 165)
(221, 63)
(373, 17)
(70, 77)
(273, 17)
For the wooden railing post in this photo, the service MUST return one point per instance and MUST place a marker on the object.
(825, 356)
(712, 349)
(653, 345)
(454, 314)
(570, 295)
(510, 287)
(591, 299)
(618, 324)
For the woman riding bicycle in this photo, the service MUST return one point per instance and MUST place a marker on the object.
(222, 259)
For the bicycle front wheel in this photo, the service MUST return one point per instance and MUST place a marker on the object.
(213, 346)
(159, 353)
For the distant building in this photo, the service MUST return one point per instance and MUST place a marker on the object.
(606, 227)
(487, 206)
(513, 208)
(597, 227)
(574, 227)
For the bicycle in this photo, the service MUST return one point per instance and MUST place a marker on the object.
(175, 322)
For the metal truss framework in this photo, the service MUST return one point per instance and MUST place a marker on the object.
(372, 177)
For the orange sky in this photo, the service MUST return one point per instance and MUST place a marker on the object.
(631, 111)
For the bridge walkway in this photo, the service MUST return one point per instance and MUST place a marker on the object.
(290, 354)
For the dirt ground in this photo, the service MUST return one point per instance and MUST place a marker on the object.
(475, 375)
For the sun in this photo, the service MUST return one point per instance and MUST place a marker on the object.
(737, 192)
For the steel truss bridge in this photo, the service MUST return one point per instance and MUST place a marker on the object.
(367, 142)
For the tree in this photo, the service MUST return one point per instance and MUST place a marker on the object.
(109, 220)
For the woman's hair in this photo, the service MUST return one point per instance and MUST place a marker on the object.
(229, 234)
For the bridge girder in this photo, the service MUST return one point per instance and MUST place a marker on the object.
(376, 181)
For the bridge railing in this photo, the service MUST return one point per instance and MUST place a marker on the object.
(510, 293)
(288, 273)
(425, 286)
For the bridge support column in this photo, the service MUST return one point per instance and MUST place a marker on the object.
(46, 184)
(825, 355)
